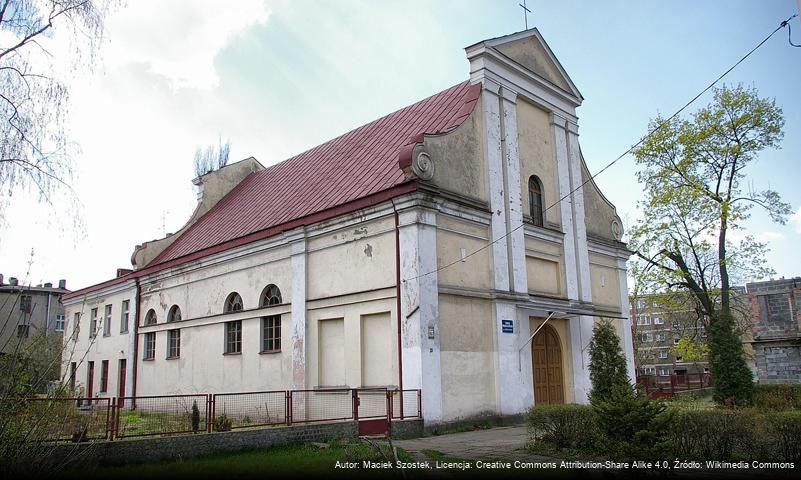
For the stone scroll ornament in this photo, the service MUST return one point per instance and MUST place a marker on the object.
(423, 166)
(617, 229)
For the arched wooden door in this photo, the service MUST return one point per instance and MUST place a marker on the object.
(546, 358)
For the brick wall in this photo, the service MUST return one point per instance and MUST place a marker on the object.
(776, 329)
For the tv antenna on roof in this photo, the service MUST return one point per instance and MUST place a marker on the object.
(526, 11)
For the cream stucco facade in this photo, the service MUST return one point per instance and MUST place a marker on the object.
(439, 288)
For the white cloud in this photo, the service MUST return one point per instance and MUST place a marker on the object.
(795, 220)
(179, 39)
(768, 237)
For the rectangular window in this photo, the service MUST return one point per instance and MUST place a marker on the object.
(107, 322)
(93, 323)
(663, 354)
(73, 371)
(645, 337)
(126, 306)
(233, 337)
(23, 331)
(174, 343)
(660, 337)
(59, 323)
(640, 304)
(76, 326)
(271, 333)
(150, 346)
(25, 303)
(664, 371)
(658, 321)
(643, 320)
(104, 376)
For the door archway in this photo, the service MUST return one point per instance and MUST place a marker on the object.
(546, 363)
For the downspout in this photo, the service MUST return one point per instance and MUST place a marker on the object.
(47, 315)
(136, 338)
(398, 302)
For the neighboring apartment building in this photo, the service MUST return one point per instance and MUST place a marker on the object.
(418, 251)
(26, 311)
(776, 329)
(658, 322)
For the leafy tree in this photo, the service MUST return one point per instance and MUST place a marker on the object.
(35, 149)
(607, 362)
(693, 173)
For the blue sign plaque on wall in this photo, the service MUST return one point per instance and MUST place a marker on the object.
(507, 326)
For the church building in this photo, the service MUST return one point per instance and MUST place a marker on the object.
(421, 250)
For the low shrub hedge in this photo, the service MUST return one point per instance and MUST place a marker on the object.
(786, 396)
(697, 434)
(570, 426)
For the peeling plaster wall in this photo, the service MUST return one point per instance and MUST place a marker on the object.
(458, 158)
(537, 157)
(605, 282)
(467, 352)
(455, 237)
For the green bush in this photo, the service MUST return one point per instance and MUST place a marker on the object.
(563, 426)
(715, 433)
(733, 380)
(631, 423)
(607, 362)
(786, 396)
(786, 429)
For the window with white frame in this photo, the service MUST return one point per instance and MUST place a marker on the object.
(645, 337)
(233, 337)
(174, 343)
(59, 323)
(76, 325)
(93, 323)
(659, 321)
(664, 371)
(660, 337)
(149, 346)
(107, 322)
(663, 354)
(643, 320)
(125, 312)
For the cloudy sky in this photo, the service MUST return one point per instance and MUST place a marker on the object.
(279, 77)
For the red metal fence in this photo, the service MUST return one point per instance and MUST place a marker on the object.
(85, 419)
(667, 385)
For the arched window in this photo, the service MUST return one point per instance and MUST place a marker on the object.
(535, 200)
(233, 303)
(270, 296)
(174, 315)
(150, 318)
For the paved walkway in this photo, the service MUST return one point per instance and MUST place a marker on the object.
(500, 443)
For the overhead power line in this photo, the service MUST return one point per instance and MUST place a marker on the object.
(783, 24)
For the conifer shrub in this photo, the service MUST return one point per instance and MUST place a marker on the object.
(607, 363)
(733, 381)
(569, 426)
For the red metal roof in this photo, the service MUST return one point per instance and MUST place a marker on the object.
(358, 164)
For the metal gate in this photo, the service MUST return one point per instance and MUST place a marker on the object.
(372, 410)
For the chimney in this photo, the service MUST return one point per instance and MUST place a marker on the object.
(12, 281)
(48, 285)
(62, 284)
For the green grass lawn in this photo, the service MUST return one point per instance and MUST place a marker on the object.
(279, 461)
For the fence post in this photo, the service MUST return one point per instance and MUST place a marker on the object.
(420, 403)
(355, 404)
(210, 411)
(289, 397)
(389, 413)
(111, 422)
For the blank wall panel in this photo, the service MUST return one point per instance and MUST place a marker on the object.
(331, 340)
(376, 350)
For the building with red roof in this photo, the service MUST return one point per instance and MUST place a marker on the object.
(457, 246)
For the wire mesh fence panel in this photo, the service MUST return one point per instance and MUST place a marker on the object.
(372, 403)
(321, 405)
(405, 404)
(161, 415)
(249, 409)
(57, 419)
